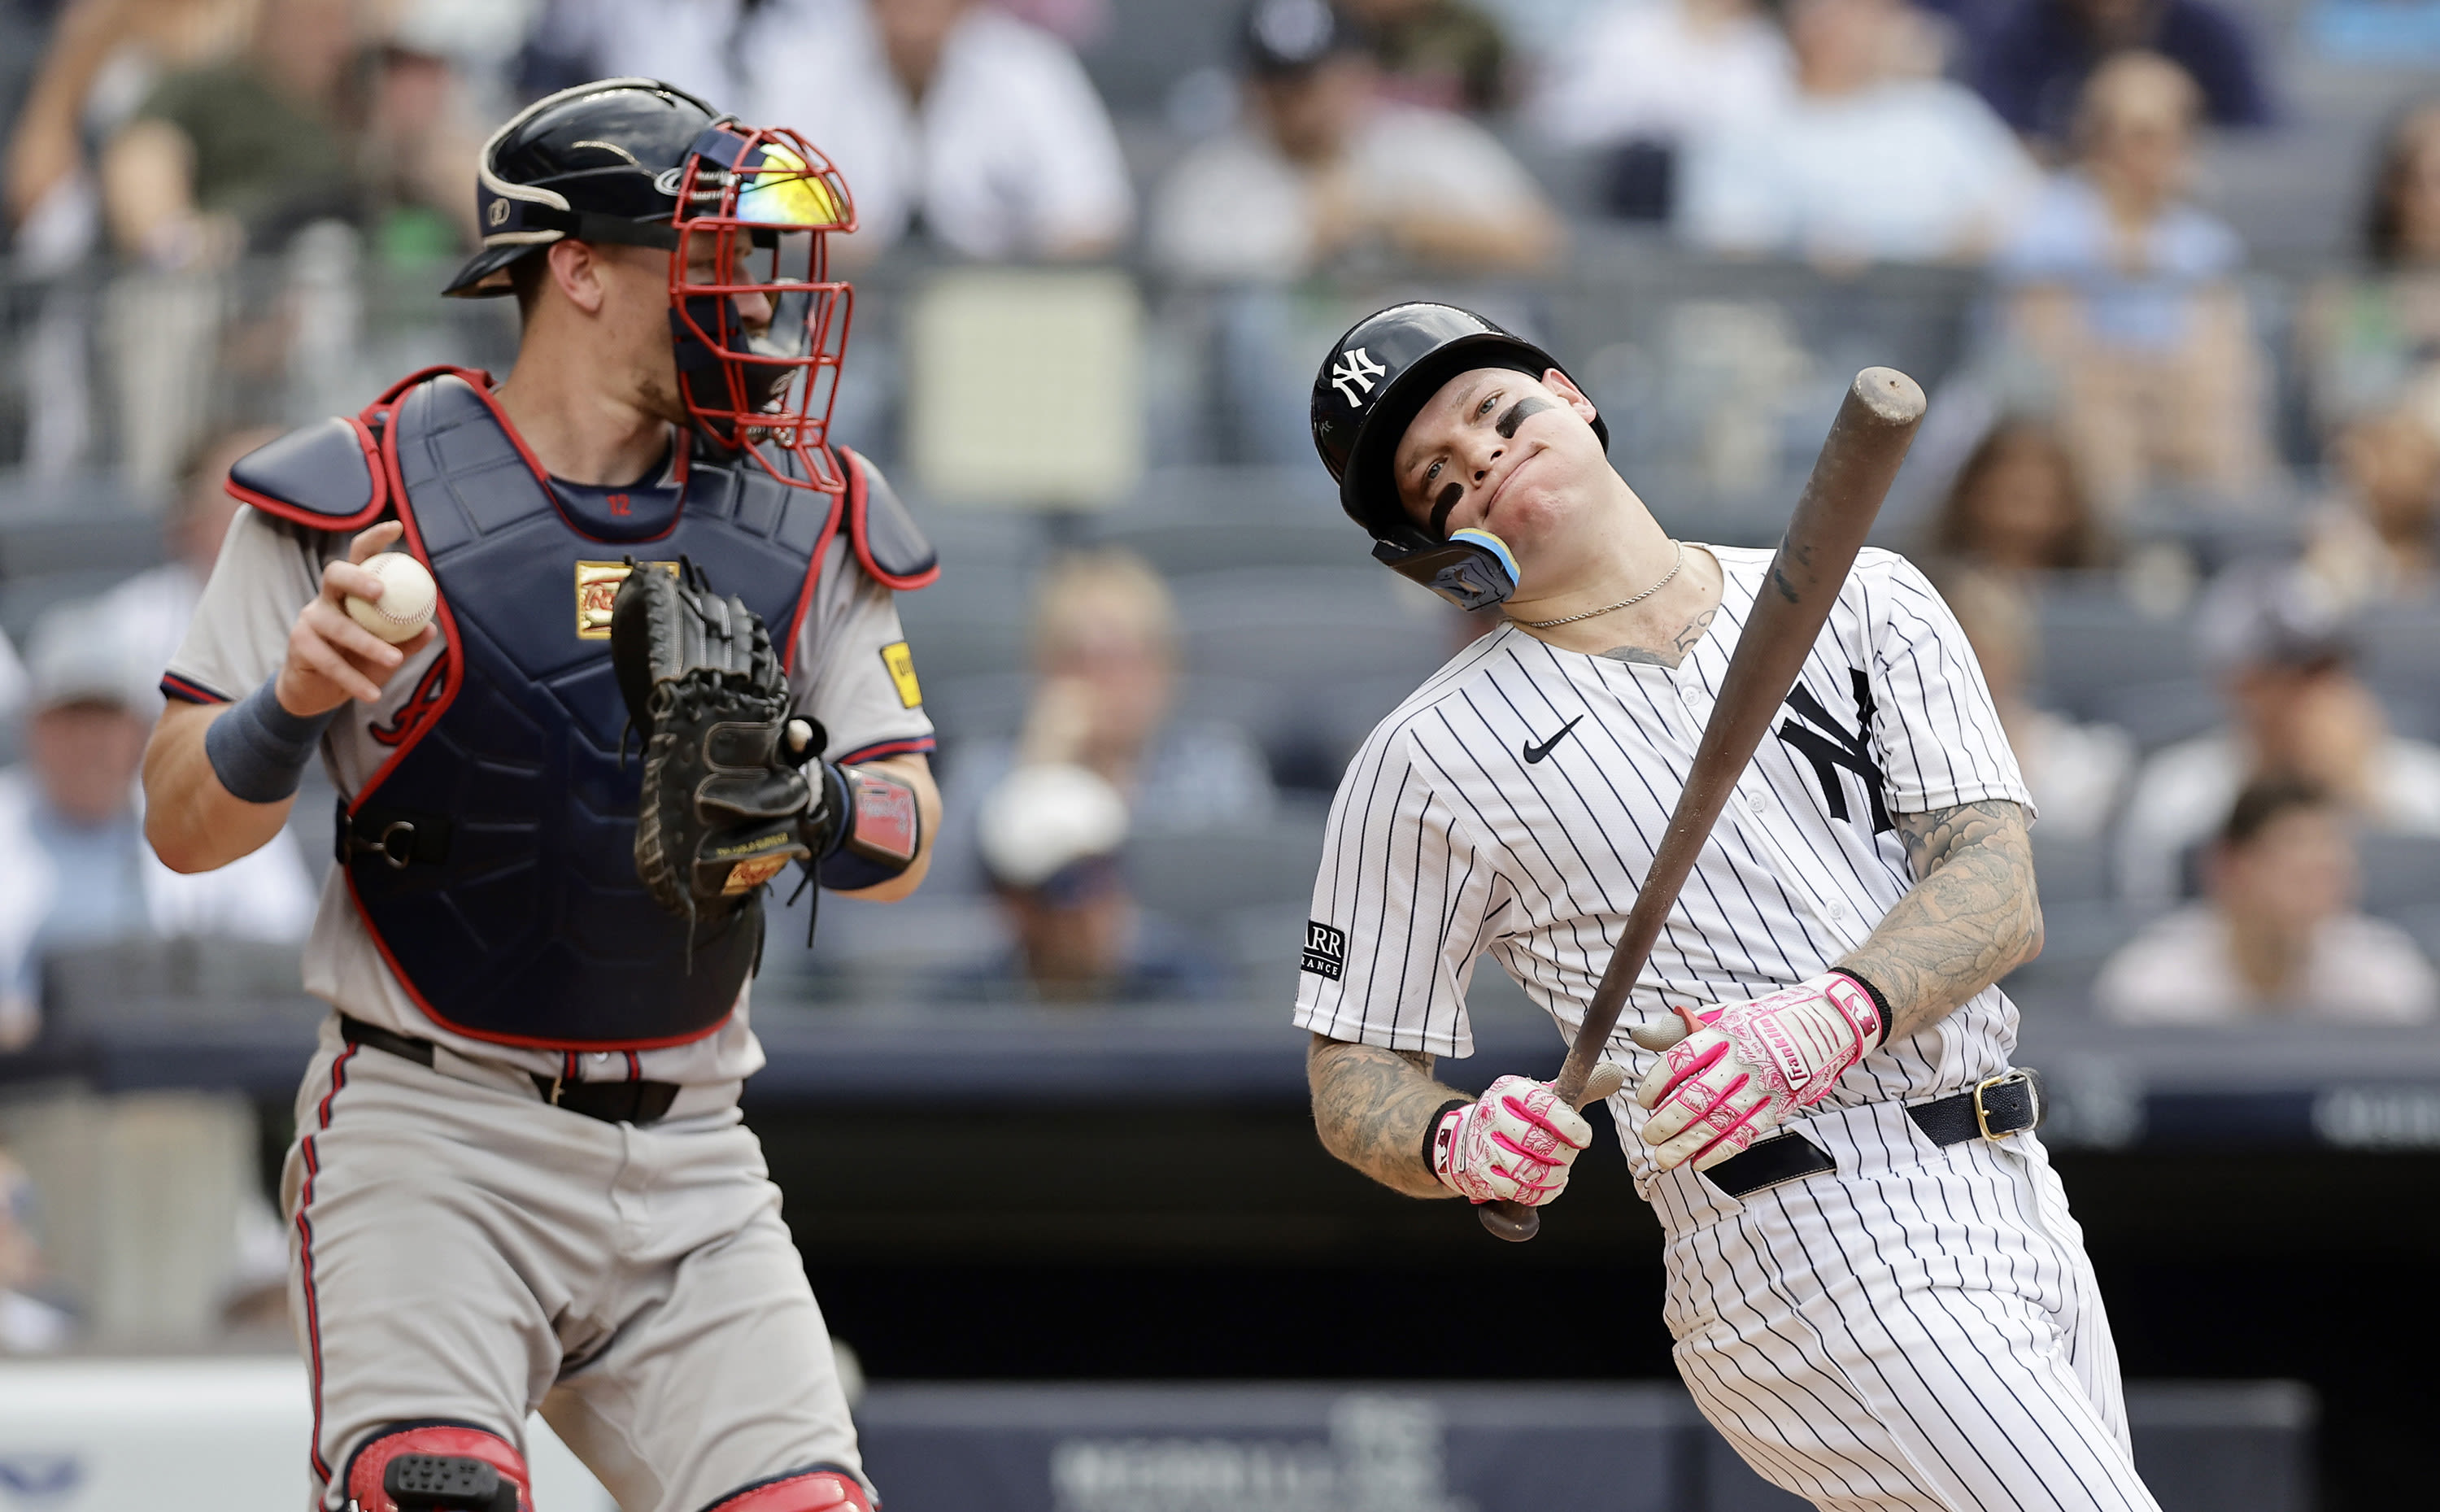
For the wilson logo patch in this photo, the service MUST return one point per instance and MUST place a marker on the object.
(596, 588)
(1325, 949)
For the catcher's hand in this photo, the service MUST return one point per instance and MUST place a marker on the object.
(726, 804)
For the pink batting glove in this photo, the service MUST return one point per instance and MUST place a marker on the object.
(1515, 1144)
(1744, 1065)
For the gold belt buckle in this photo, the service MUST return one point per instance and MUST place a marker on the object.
(1982, 1115)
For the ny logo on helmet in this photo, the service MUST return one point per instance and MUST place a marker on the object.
(497, 214)
(1354, 373)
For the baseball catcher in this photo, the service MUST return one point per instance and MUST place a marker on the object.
(665, 667)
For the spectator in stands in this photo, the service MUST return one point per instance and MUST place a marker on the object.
(2017, 508)
(1105, 668)
(2278, 936)
(1867, 163)
(240, 153)
(1099, 757)
(420, 137)
(102, 61)
(28, 1326)
(2279, 641)
(79, 871)
(2035, 67)
(703, 47)
(154, 607)
(2077, 772)
(1321, 168)
(2365, 336)
(1444, 54)
(1648, 75)
(1049, 835)
(2126, 295)
(2377, 538)
(951, 114)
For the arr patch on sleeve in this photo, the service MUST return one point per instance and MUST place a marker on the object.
(1325, 949)
(901, 662)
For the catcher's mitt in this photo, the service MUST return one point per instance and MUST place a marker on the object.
(725, 805)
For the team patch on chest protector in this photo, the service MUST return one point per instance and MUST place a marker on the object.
(596, 587)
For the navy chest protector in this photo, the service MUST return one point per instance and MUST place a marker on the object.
(493, 855)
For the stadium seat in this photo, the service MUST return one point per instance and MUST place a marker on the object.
(1313, 629)
(1199, 879)
(2400, 872)
(2094, 640)
(2076, 938)
(2070, 869)
(2401, 649)
(1180, 547)
(2160, 714)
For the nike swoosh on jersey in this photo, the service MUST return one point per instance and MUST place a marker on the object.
(1534, 753)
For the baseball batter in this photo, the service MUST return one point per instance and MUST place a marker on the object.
(520, 1179)
(1877, 1291)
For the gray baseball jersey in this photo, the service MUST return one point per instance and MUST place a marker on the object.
(463, 1251)
(851, 669)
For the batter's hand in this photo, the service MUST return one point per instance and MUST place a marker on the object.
(1515, 1144)
(1744, 1065)
(331, 657)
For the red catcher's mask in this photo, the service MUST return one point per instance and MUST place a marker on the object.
(759, 327)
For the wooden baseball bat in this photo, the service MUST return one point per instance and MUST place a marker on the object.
(1868, 441)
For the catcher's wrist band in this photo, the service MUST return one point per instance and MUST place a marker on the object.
(258, 750)
(880, 830)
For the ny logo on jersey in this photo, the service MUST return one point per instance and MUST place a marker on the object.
(1838, 749)
(1353, 375)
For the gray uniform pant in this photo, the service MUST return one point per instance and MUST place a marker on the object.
(461, 1251)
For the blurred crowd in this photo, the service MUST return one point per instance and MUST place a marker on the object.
(2184, 502)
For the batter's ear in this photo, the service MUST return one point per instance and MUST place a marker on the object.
(1561, 385)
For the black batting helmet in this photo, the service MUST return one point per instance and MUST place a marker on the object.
(1376, 380)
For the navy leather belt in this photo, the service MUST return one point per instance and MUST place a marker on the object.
(637, 1103)
(1995, 1108)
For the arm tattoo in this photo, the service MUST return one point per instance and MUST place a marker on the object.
(1971, 917)
(1370, 1105)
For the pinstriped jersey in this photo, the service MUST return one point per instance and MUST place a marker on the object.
(1511, 806)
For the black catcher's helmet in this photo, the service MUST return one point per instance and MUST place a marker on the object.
(600, 162)
(637, 162)
(1369, 389)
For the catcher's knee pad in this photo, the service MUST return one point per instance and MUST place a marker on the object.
(455, 1466)
(817, 1488)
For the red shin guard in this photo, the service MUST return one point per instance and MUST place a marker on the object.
(367, 1469)
(816, 1490)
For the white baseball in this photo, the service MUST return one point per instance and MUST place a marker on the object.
(408, 597)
